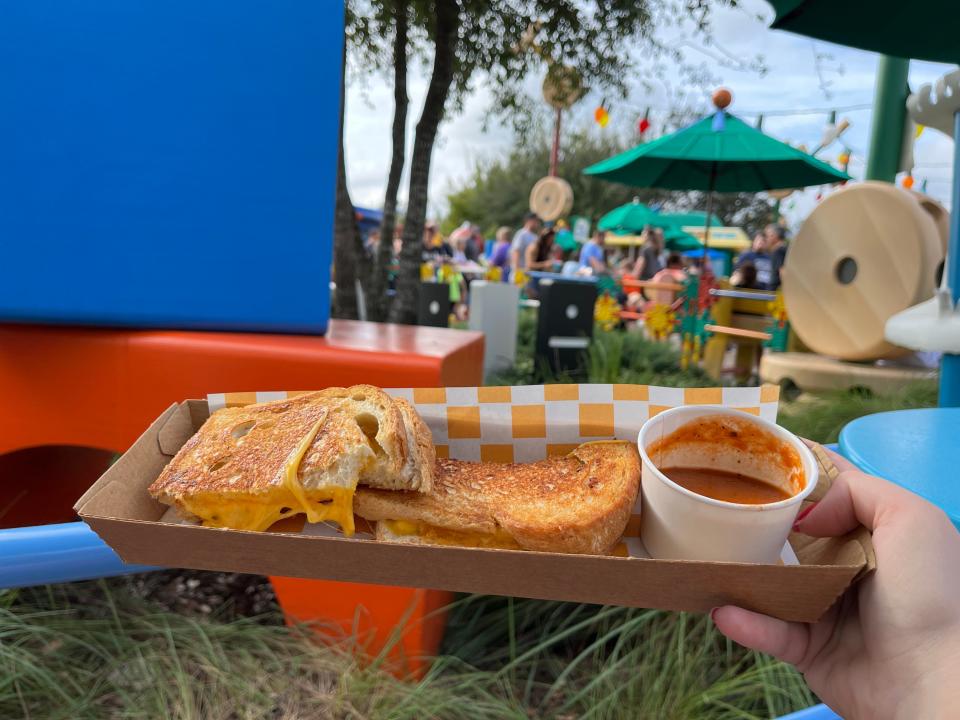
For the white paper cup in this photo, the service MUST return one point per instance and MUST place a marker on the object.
(678, 524)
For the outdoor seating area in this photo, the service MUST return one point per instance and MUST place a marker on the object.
(550, 360)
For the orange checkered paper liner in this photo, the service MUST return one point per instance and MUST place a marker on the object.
(526, 423)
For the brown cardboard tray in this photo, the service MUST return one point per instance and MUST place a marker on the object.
(120, 511)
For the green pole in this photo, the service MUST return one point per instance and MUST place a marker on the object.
(889, 116)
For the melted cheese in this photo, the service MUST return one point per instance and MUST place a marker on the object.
(235, 514)
(319, 505)
(444, 536)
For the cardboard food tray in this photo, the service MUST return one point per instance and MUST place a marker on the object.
(516, 424)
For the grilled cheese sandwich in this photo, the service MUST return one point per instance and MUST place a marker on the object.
(579, 503)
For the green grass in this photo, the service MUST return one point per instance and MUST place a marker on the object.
(115, 656)
(614, 357)
(95, 650)
(821, 417)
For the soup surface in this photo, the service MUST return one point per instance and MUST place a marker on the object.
(727, 486)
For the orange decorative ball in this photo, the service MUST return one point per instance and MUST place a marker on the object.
(722, 98)
(908, 181)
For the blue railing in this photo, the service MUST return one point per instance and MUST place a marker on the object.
(57, 553)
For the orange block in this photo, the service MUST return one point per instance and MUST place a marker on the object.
(100, 388)
(402, 627)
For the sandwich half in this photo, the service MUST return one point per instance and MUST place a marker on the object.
(248, 467)
(579, 503)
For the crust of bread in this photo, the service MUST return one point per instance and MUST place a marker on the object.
(579, 503)
(422, 456)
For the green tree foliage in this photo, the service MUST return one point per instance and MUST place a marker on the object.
(498, 191)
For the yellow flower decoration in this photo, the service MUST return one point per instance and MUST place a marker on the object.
(778, 309)
(493, 274)
(426, 272)
(520, 278)
(660, 321)
(446, 274)
(607, 312)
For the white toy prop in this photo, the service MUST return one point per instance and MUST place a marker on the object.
(934, 325)
(936, 104)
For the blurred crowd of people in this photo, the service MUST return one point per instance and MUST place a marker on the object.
(465, 255)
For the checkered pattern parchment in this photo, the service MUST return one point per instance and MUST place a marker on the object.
(526, 423)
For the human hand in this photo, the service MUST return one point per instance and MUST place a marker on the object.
(890, 646)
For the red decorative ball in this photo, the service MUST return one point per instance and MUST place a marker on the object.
(722, 98)
(643, 125)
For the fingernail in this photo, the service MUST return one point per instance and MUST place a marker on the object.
(802, 514)
(713, 614)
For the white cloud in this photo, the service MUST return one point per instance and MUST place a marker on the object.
(791, 84)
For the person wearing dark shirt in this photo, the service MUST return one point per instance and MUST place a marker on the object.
(753, 267)
(648, 264)
(776, 236)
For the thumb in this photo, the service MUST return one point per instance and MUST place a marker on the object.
(854, 499)
(787, 641)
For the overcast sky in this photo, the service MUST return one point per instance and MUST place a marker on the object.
(795, 81)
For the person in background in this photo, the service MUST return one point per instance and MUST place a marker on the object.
(522, 240)
(648, 264)
(372, 243)
(460, 243)
(540, 252)
(753, 270)
(474, 249)
(672, 273)
(539, 257)
(776, 246)
(501, 252)
(592, 260)
(397, 241)
(558, 255)
(435, 248)
(745, 277)
(571, 264)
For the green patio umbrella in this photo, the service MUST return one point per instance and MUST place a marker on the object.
(565, 239)
(694, 218)
(719, 153)
(630, 218)
(677, 240)
(925, 31)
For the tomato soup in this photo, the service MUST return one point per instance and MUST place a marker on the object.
(726, 486)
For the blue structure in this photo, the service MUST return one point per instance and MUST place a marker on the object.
(916, 449)
(57, 553)
(368, 219)
(154, 154)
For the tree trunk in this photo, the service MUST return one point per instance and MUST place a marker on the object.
(347, 243)
(378, 302)
(404, 307)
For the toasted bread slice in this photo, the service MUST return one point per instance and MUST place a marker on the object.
(250, 466)
(579, 503)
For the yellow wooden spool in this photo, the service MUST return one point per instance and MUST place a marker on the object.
(551, 198)
(865, 253)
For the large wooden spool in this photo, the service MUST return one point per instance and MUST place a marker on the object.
(865, 253)
(551, 198)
